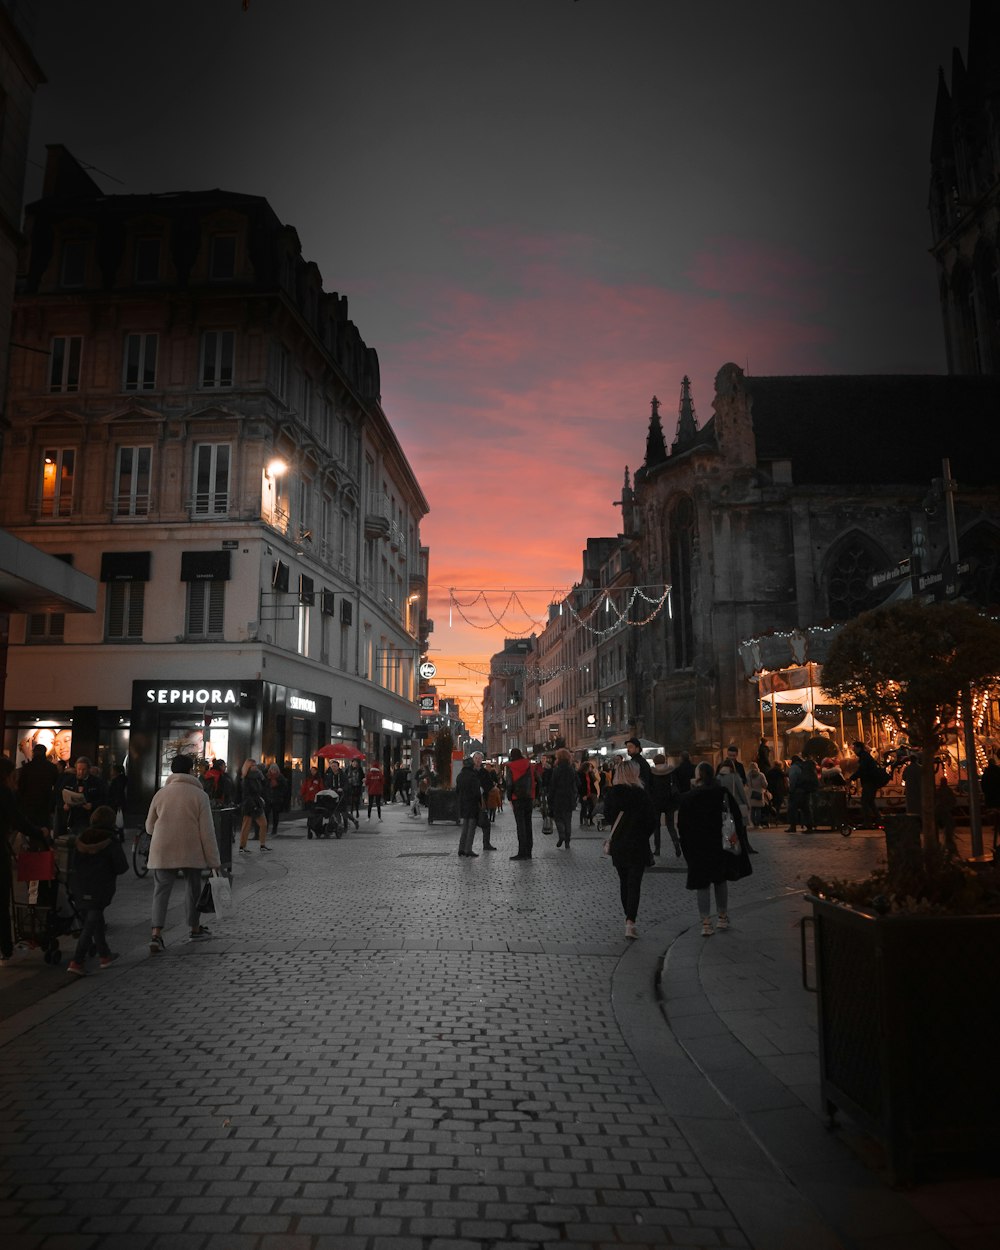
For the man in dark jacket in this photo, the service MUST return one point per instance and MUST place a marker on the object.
(634, 748)
(36, 786)
(521, 792)
(470, 801)
(91, 791)
(486, 783)
(869, 776)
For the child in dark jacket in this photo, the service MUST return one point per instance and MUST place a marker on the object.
(99, 861)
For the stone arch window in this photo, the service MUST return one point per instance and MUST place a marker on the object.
(848, 579)
(981, 547)
(680, 546)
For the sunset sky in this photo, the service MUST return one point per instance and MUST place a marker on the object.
(542, 212)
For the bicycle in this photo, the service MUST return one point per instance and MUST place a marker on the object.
(140, 852)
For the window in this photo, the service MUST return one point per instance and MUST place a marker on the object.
(849, 588)
(217, 352)
(124, 611)
(307, 401)
(57, 481)
(211, 479)
(64, 363)
(147, 260)
(205, 609)
(279, 370)
(73, 265)
(680, 543)
(132, 477)
(140, 362)
(45, 627)
(222, 257)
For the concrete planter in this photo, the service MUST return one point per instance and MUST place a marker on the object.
(908, 1016)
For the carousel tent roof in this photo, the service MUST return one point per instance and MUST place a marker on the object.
(809, 724)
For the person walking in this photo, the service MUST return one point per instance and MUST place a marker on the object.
(729, 776)
(310, 787)
(989, 782)
(661, 791)
(252, 805)
(521, 792)
(182, 839)
(375, 785)
(470, 802)
(870, 776)
(634, 748)
(757, 795)
(98, 862)
(709, 866)
(682, 775)
(276, 796)
(585, 790)
(562, 796)
(629, 811)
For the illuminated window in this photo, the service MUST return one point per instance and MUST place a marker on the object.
(57, 481)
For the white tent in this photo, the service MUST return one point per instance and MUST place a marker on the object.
(809, 724)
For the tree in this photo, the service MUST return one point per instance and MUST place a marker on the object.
(444, 744)
(910, 663)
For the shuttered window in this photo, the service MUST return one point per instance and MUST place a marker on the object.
(206, 606)
(125, 602)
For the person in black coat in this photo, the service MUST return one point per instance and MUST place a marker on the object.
(699, 824)
(630, 813)
(98, 861)
(470, 801)
(563, 793)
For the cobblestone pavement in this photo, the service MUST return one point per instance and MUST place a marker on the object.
(390, 1047)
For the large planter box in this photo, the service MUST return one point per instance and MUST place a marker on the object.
(908, 1020)
(442, 805)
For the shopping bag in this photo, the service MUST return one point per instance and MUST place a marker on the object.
(36, 866)
(205, 901)
(222, 897)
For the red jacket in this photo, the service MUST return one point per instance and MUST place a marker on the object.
(516, 770)
(374, 780)
(310, 787)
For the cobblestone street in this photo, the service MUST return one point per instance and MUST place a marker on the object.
(394, 1047)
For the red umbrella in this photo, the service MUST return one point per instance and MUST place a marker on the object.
(340, 751)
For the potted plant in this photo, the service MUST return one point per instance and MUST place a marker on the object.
(906, 960)
(906, 977)
(442, 799)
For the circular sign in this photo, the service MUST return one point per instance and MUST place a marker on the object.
(428, 669)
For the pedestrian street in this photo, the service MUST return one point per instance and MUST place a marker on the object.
(390, 1047)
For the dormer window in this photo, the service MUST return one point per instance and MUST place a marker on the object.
(222, 257)
(73, 263)
(147, 260)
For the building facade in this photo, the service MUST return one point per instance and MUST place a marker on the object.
(964, 198)
(195, 422)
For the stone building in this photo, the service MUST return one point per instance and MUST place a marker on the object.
(196, 422)
(965, 197)
(776, 514)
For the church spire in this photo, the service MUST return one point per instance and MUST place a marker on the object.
(687, 427)
(656, 447)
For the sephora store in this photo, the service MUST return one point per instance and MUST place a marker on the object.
(226, 719)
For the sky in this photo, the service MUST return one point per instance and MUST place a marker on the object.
(542, 213)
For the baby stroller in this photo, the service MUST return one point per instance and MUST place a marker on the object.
(330, 814)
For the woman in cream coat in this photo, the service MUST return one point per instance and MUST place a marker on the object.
(182, 838)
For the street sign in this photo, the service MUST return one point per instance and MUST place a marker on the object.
(427, 670)
(427, 702)
(889, 577)
(944, 584)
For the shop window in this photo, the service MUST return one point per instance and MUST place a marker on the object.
(132, 481)
(58, 464)
(45, 627)
(139, 365)
(205, 609)
(124, 614)
(217, 354)
(64, 363)
(211, 479)
(147, 260)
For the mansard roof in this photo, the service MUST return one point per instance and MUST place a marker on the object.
(883, 428)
